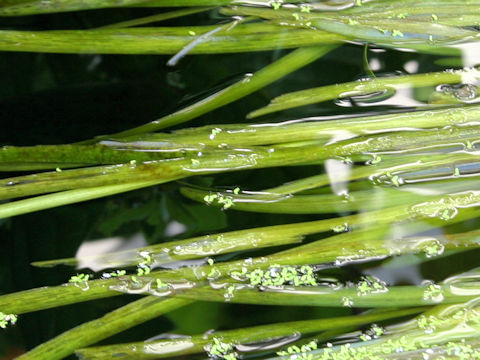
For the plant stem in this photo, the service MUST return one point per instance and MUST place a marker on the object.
(311, 204)
(91, 332)
(116, 179)
(265, 134)
(464, 203)
(193, 248)
(197, 343)
(396, 296)
(69, 197)
(354, 88)
(153, 41)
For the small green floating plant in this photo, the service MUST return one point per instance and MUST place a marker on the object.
(378, 186)
(7, 319)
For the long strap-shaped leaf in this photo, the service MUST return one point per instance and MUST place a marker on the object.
(394, 296)
(197, 343)
(331, 92)
(154, 41)
(127, 177)
(91, 332)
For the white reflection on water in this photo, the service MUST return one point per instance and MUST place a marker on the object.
(339, 174)
(89, 254)
(411, 66)
(166, 347)
(470, 53)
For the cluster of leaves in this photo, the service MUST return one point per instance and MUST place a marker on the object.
(7, 319)
(360, 177)
(300, 352)
(277, 275)
(221, 350)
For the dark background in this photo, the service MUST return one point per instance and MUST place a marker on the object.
(55, 99)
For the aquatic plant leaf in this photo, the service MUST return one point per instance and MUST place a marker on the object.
(270, 333)
(91, 332)
(366, 86)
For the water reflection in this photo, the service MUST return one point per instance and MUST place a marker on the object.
(89, 254)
